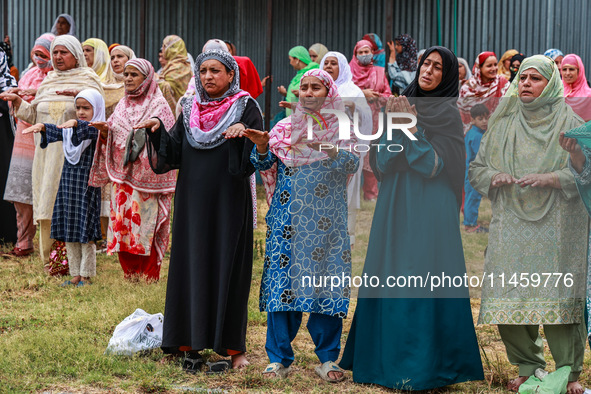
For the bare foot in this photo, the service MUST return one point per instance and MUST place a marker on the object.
(574, 388)
(335, 375)
(514, 384)
(239, 361)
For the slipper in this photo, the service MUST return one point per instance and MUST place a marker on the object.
(278, 369)
(219, 366)
(193, 365)
(476, 229)
(329, 366)
(83, 283)
(67, 283)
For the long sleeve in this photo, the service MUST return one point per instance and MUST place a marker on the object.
(240, 163)
(262, 162)
(345, 161)
(400, 78)
(165, 148)
(480, 175)
(51, 134)
(419, 155)
(27, 112)
(84, 132)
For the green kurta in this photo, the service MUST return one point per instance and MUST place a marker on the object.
(535, 263)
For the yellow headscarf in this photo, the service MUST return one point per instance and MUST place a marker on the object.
(177, 72)
(506, 56)
(102, 60)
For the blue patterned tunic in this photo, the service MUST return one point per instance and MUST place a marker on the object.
(307, 238)
(76, 214)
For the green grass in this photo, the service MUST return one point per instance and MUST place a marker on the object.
(53, 338)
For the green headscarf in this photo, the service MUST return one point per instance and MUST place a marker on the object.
(301, 53)
(522, 139)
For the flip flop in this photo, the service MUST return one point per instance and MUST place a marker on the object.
(329, 366)
(67, 283)
(219, 366)
(193, 365)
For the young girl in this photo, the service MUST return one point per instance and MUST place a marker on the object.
(76, 212)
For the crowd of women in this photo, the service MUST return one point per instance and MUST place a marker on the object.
(102, 143)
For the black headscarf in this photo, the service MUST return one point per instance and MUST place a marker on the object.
(438, 115)
(520, 57)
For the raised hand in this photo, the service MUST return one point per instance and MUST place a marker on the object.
(68, 92)
(36, 128)
(153, 124)
(577, 157)
(260, 138)
(539, 180)
(69, 124)
(286, 104)
(282, 91)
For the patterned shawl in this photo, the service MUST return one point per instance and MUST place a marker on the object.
(506, 56)
(522, 138)
(578, 94)
(206, 118)
(553, 53)
(288, 139)
(7, 81)
(474, 91)
(143, 103)
(177, 71)
(407, 60)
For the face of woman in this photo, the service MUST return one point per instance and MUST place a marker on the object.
(531, 85)
(62, 26)
(313, 55)
(331, 66)
(118, 60)
(88, 55)
(507, 64)
(364, 51)
(558, 61)
(312, 93)
(84, 110)
(489, 69)
(214, 77)
(41, 55)
(161, 59)
(63, 59)
(296, 63)
(133, 78)
(515, 65)
(398, 47)
(570, 73)
(462, 71)
(431, 72)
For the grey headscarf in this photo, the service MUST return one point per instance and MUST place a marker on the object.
(70, 20)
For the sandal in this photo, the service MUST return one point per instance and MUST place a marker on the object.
(476, 229)
(68, 283)
(192, 365)
(279, 371)
(329, 366)
(219, 366)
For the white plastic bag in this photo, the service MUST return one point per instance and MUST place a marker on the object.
(138, 331)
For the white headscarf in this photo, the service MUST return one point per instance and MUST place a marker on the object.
(215, 43)
(72, 45)
(70, 20)
(349, 91)
(74, 152)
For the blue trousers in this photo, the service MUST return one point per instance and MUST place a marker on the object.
(471, 205)
(282, 328)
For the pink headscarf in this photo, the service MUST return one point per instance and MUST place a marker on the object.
(370, 76)
(288, 139)
(143, 103)
(578, 92)
(33, 78)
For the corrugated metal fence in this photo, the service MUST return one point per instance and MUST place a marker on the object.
(466, 26)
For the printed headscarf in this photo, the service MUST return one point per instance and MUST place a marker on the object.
(377, 48)
(102, 60)
(407, 60)
(506, 56)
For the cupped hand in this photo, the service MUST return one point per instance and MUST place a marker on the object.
(153, 124)
(569, 144)
(234, 131)
(502, 179)
(258, 137)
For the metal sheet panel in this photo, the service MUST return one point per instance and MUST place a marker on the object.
(531, 26)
